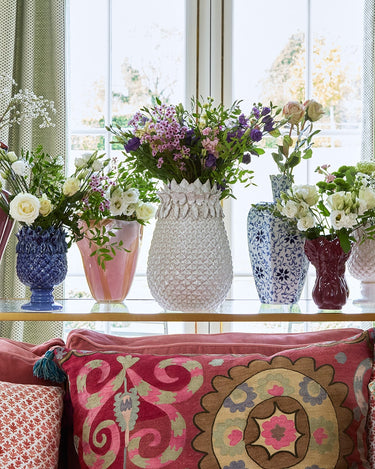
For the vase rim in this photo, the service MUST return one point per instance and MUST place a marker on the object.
(195, 186)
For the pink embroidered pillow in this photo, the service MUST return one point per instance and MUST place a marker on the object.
(230, 342)
(30, 417)
(371, 426)
(305, 407)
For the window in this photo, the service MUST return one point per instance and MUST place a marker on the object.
(125, 53)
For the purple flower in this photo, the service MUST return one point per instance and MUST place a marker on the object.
(242, 120)
(230, 136)
(246, 158)
(268, 123)
(210, 161)
(221, 187)
(256, 135)
(133, 144)
(256, 112)
(265, 111)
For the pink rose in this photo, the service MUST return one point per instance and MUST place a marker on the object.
(314, 110)
(294, 112)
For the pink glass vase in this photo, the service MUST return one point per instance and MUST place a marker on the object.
(330, 290)
(113, 283)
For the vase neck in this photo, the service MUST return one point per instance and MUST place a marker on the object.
(279, 183)
(194, 200)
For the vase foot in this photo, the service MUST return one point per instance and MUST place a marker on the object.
(32, 306)
(41, 300)
(367, 294)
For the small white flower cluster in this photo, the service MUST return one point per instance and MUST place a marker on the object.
(24, 105)
(301, 204)
(127, 203)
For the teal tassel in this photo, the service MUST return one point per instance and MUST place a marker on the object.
(47, 368)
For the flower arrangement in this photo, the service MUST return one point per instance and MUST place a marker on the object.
(299, 119)
(209, 143)
(40, 194)
(334, 207)
(24, 105)
(119, 194)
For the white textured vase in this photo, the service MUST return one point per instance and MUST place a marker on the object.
(361, 266)
(189, 263)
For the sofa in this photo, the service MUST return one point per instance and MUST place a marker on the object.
(187, 401)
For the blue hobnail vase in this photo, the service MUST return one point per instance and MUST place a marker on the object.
(41, 264)
(276, 251)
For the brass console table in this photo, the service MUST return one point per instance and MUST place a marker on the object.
(149, 311)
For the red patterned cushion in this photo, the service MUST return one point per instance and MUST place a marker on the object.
(371, 425)
(229, 342)
(30, 417)
(305, 408)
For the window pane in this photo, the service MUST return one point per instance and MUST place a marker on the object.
(88, 56)
(276, 67)
(146, 60)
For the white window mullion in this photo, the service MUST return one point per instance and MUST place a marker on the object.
(191, 48)
(309, 52)
(204, 49)
(108, 84)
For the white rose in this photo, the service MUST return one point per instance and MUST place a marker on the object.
(341, 220)
(314, 110)
(24, 208)
(290, 209)
(12, 157)
(19, 167)
(145, 211)
(45, 206)
(306, 222)
(129, 209)
(97, 165)
(294, 112)
(366, 198)
(71, 186)
(340, 200)
(117, 204)
(307, 193)
(81, 161)
(131, 196)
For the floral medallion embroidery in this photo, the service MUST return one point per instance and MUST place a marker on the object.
(270, 415)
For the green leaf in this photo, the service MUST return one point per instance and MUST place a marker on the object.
(308, 154)
(344, 240)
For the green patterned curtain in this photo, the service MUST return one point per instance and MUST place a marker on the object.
(368, 133)
(32, 50)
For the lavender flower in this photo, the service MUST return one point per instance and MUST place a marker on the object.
(246, 158)
(210, 161)
(256, 112)
(133, 144)
(243, 120)
(268, 123)
(256, 135)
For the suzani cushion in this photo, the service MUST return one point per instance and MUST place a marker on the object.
(30, 424)
(303, 408)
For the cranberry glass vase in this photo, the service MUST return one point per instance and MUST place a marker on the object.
(327, 256)
(113, 283)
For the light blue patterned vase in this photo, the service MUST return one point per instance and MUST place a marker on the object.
(276, 251)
